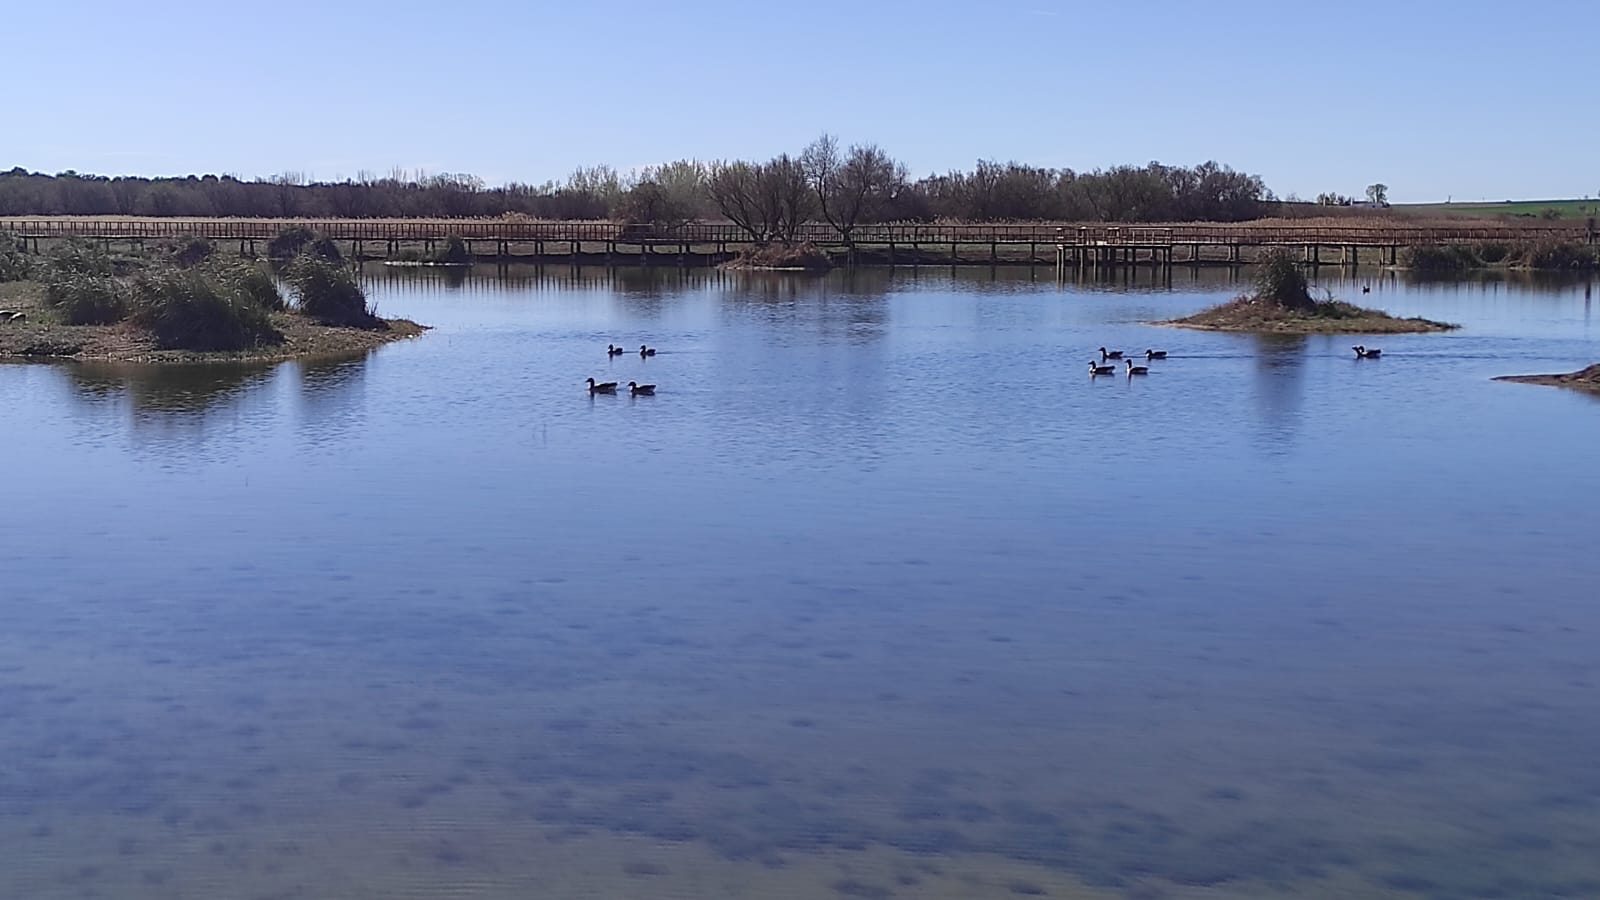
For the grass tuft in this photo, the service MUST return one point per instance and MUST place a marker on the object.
(330, 293)
(15, 262)
(193, 310)
(86, 298)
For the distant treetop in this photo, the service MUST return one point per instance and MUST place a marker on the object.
(844, 186)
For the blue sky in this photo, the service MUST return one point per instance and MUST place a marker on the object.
(1468, 99)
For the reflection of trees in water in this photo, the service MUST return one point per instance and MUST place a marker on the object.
(330, 397)
(165, 389)
(1279, 382)
(852, 305)
(171, 404)
(186, 400)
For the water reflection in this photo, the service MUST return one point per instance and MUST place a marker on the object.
(330, 395)
(870, 601)
(191, 403)
(1278, 367)
(153, 390)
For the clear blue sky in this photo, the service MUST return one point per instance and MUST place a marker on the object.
(1465, 98)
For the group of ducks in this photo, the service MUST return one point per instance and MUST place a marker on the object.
(634, 388)
(644, 351)
(1103, 368)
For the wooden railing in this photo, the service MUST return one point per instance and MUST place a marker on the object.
(727, 233)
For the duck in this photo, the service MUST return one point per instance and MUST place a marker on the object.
(636, 388)
(1097, 369)
(604, 387)
(614, 351)
(1366, 289)
(1137, 370)
(1364, 353)
(646, 351)
(1155, 354)
(1109, 354)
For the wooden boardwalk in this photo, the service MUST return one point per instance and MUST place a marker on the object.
(1064, 244)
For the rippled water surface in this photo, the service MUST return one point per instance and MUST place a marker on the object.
(880, 596)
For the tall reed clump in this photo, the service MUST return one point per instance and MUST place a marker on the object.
(297, 241)
(194, 310)
(188, 250)
(1282, 281)
(85, 299)
(1442, 259)
(256, 283)
(1563, 256)
(81, 285)
(454, 252)
(15, 262)
(330, 293)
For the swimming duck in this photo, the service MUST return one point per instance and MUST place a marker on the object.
(1155, 354)
(1364, 353)
(1137, 370)
(614, 351)
(1109, 354)
(636, 388)
(646, 351)
(1366, 289)
(1097, 369)
(604, 387)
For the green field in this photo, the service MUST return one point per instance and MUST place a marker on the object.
(1536, 209)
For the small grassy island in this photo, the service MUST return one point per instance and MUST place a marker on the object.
(182, 304)
(1583, 380)
(1282, 304)
(781, 257)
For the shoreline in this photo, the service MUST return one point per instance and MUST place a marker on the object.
(1586, 380)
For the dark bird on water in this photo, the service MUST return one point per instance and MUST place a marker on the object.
(636, 388)
(603, 387)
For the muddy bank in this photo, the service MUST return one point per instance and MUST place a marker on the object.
(1583, 380)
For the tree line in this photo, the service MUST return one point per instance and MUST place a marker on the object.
(844, 186)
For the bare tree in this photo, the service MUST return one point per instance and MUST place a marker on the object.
(768, 201)
(853, 187)
(787, 195)
(735, 188)
(1378, 194)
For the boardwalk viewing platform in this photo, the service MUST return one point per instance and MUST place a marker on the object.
(699, 243)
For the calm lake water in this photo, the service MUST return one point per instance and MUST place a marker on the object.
(880, 596)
